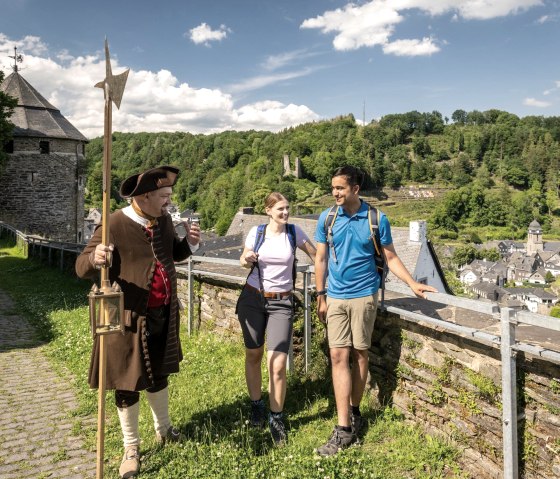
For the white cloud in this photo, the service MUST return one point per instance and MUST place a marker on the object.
(152, 101)
(536, 103)
(204, 34)
(261, 81)
(373, 23)
(358, 26)
(273, 114)
(275, 62)
(411, 48)
(553, 89)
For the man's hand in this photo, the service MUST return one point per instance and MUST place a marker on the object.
(420, 289)
(322, 308)
(102, 256)
(193, 233)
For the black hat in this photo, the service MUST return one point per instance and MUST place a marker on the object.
(149, 181)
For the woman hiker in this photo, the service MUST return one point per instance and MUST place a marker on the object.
(266, 308)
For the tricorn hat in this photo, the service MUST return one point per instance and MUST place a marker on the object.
(149, 181)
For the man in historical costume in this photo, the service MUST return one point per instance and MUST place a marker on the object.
(143, 246)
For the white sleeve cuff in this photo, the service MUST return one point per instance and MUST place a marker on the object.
(193, 247)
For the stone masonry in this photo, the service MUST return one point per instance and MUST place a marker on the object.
(38, 437)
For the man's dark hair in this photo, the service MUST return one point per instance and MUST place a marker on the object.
(353, 175)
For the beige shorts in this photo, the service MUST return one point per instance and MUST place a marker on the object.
(350, 321)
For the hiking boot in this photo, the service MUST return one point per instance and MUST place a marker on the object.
(258, 416)
(173, 435)
(340, 439)
(357, 424)
(278, 431)
(130, 465)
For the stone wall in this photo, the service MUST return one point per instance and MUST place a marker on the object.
(449, 385)
(452, 386)
(44, 193)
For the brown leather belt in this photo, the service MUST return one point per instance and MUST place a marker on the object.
(268, 294)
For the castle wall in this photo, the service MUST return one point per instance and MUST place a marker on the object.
(44, 193)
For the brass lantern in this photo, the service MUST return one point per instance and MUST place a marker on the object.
(106, 310)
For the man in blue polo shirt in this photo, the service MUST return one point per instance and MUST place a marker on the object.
(349, 306)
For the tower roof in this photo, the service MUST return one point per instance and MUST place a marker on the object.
(34, 115)
(535, 225)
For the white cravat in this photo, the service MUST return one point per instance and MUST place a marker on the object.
(129, 211)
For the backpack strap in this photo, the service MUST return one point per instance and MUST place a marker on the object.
(329, 223)
(259, 240)
(374, 218)
(259, 237)
(291, 231)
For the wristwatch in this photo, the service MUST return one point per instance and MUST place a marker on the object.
(323, 292)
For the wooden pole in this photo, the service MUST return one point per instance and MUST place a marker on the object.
(105, 284)
(113, 87)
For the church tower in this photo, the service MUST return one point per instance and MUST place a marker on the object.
(42, 181)
(534, 238)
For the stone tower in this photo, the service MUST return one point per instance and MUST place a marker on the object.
(288, 171)
(42, 181)
(534, 238)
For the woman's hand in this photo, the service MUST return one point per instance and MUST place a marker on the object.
(248, 258)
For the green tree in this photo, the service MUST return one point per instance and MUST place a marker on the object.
(464, 255)
(459, 117)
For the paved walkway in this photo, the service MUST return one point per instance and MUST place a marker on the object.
(37, 434)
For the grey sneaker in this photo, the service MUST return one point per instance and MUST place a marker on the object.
(173, 435)
(278, 431)
(258, 416)
(130, 465)
(340, 439)
(357, 423)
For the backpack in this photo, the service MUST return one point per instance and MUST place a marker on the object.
(259, 240)
(374, 217)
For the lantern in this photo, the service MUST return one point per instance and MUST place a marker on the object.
(106, 310)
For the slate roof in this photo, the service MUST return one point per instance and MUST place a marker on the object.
(551, 246)
(34, 116)
(535, 225)
(538, 292)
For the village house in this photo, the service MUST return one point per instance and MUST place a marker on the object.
(532, 264)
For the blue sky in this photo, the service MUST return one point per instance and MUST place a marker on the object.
(209, 65)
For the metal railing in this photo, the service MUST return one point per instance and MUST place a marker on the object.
(507, 342)
(35, 245)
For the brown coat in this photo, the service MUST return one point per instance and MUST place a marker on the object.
(129, 366)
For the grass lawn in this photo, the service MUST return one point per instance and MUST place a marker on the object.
(209, 403)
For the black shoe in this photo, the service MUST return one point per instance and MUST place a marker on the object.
(258, 416)
(278, 431)
(357, 423)
(340, 439)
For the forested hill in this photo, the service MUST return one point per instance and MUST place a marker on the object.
(501, 170)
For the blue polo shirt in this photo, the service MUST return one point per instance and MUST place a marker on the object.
(353, 274)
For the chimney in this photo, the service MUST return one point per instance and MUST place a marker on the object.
(247, 210)
(417, 231)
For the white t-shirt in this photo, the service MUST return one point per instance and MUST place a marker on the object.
(275, 260)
